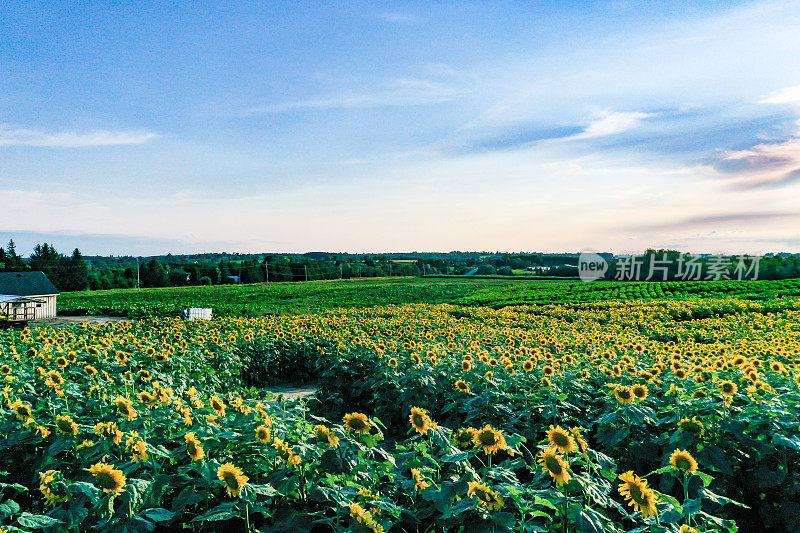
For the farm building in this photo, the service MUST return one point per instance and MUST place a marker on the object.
(27, 296)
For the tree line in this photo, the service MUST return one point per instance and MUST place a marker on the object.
(67, 273)
(78, 272)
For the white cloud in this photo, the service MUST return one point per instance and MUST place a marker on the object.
(768, 165)
(400, 92)
(16, 136)
(787, 95)
(611, 124)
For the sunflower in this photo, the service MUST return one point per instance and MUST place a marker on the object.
(639, 391)
(193, 447)
(46, 487)
(5, 370)
(485, 496)
(217, 405)
(682, 460)
(147, 398)
(364, 519)
(393, 362)
(66, 425)
(561, 440)
(638, 495)
(420, 420)
(109, 479)
(491, 439)
(527, 366)
(357, 422)
(692, 425)
(61, 362)
(728, 388)
(263, 434)
(233, 478)
(136, 444)
(325, 436)
(125, 408)
(465, 438)
(548, 370)
(578, 436)
(553, 464)
(489, 375)
(419, 481)
(462, 386)
(688, 529)
(466, 366)
(623, 395)
(22, 410)
(108, 430)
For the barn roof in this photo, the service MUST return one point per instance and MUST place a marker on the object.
(26, 284)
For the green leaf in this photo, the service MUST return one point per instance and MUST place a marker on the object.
(8, 508)
(692, 507)
(669, 499)
(789, 442)
(455, 457)
(707, 479)
(37, 521)
(590, 521)
(157, 514)
(222, 511)
(719, 499)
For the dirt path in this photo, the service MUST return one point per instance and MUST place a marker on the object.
(293, 393)
(66, 320)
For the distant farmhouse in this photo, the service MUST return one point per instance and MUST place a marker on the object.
(26, 296)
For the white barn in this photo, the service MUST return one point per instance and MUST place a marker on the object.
(27, 296)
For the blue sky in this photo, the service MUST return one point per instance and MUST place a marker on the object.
(354, 126)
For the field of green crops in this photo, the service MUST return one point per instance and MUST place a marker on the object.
(596, 408)
(262, 298)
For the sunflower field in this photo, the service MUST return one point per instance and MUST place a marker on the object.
(661, 416)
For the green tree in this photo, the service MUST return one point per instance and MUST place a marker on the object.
(13, 262)
(54, 265)
(76, 275)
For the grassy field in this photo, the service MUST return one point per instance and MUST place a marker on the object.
(261, 299)
(264, 298)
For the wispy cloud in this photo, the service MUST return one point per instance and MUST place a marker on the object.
(16, 136)
(606, 124)
(610, 123)
(769, 165)
(787, 95)
(400, 92)
(715, 221)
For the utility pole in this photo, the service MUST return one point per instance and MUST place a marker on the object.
(137, 274)
(340, 271)
(266, 270)
(390, 269)
(305, 268)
